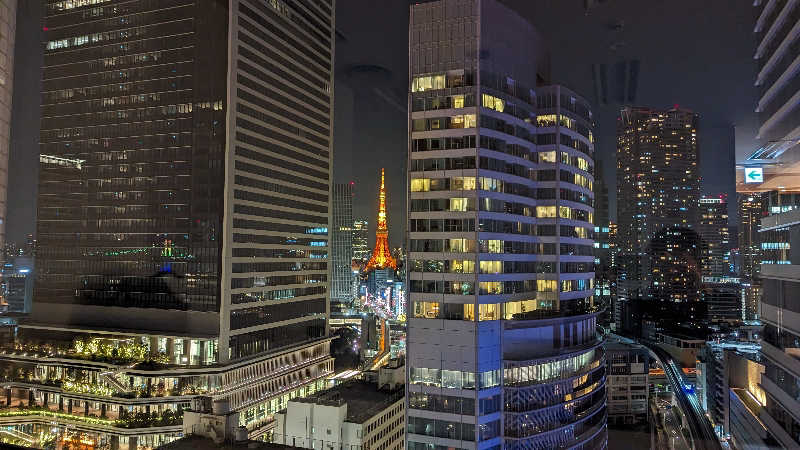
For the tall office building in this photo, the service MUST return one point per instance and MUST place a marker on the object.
(750, 212)
(715, 234)
(361, 250)
(8, 29)
(720, 292)
(342, 243)
(183, 207)
(502, 345)
(658, 187)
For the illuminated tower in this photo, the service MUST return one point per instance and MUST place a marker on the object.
(381, 255)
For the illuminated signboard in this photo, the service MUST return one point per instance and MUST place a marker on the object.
(753, 175)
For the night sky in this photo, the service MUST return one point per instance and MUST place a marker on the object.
(697, 54)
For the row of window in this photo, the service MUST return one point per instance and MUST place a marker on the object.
(261, 315)
(453, 430)
(468, 266)
(502, 126)
(253, 343)
(442, 102)
(444, 123)
(251, 282)
(453, 405)
(455, 379)
(241, 180)
(465, 162)
(289, 266)
(453, 79)
(464, 184)
(460, 245)
(242, 238)
(565, 158)
(277, 294)
(544, 305)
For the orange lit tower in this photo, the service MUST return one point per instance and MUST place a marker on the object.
(381, 255)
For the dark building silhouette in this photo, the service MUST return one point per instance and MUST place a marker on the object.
(676, 273)
(658, 187)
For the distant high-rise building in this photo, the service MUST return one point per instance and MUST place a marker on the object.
(715, 234)
(501, 318)
(676, 272)
(605, 281)
(751, 211)
(720, 293)
(183, 208)
(722, 299)
(658, 187)
(8, 30)
(342, 243)
(361, 240)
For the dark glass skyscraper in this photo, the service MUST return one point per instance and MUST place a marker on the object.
(502, 344)
(184, 198)
(168, 183)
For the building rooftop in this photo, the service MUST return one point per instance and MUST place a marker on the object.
(623, 346)
(193, 442)
(364, 399)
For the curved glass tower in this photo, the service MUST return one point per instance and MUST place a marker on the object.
(502, 343)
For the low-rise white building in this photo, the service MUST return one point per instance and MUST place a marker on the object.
(627, 365)
(355, 415)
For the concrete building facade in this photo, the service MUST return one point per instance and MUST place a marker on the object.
(355, 415)
(628, 384)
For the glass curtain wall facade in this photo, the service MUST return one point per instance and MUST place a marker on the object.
(342, 243)
(502, 344)
(165, 185)
(183, 207)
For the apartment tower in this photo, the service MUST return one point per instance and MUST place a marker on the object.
(658, 187)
